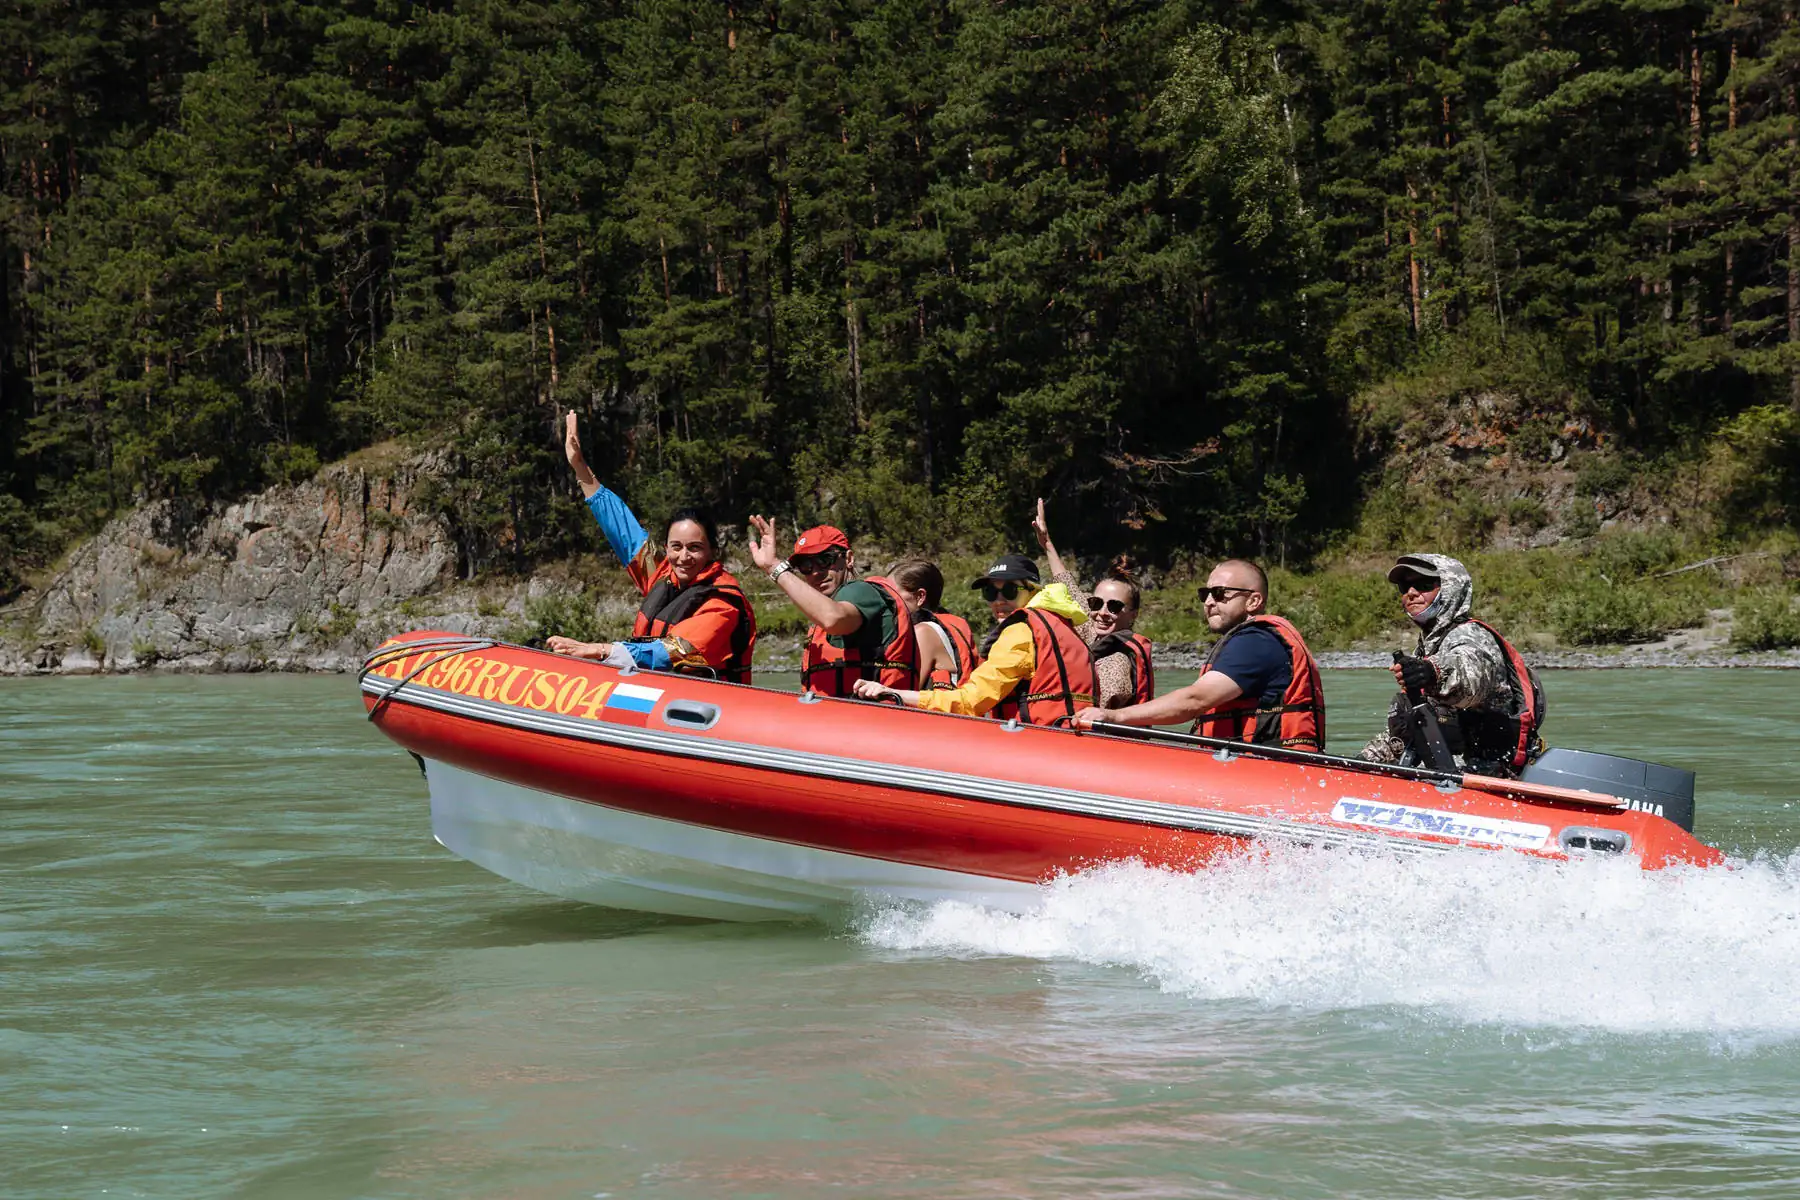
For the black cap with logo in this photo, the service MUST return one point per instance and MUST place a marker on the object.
(1009, 566)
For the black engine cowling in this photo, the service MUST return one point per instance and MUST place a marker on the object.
(1647, 786)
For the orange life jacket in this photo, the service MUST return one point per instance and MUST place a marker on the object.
(962, 648)
(1062, 681)
(1136, 649)
(830, 671)
(1512, 737)
(1298, 722)
(665, 605)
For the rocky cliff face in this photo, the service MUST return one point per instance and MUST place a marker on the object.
(305, 577)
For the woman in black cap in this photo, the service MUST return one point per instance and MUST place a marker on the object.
(1007, 586)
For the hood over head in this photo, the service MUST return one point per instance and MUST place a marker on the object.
(1456, 589)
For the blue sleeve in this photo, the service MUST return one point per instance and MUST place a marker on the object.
(1258, 662)
(623, 533)
(652, 654)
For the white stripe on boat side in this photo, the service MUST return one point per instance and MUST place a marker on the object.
(913, 779)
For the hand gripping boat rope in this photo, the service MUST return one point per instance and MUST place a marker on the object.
(451, 647)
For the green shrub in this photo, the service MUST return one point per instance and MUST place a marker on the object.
(1337, 609)
(1764, 619)
(1174, 626)
(1526, 515)
(1755, 469)
(1533, 438)
(1599, 613)
(1603, 475)
(1388, 518)
(286, 462)
(1629, 554)
(341, 624)
(1582, 522)
(1469, 522)
(93, 643)
(567, 614)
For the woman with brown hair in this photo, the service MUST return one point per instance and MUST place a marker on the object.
(1122, 668)
(946, 643)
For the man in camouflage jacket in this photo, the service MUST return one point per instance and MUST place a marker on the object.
(1458, 666)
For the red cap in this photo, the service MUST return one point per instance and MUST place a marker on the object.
(819, 539)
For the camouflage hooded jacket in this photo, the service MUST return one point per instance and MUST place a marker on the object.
(1471, 667)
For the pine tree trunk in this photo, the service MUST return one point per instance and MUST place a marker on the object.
(1412, 260)
(537, 205)
(1691, 299)
(1731, 124)
(853, 341)
(1793, 233)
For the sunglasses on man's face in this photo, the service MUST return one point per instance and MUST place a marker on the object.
(1415, 583)
(1219, 595)
(1009, 590)
(815, 564)
(1095, 604)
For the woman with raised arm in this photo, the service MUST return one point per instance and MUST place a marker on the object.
(694, 618)
(1122, 669)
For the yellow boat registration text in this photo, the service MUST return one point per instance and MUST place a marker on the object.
(507, 683)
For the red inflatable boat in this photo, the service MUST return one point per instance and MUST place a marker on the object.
(670, 793)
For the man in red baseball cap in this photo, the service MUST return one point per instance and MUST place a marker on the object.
(861, 628)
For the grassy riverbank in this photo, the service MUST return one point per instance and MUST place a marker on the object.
(1613, 589)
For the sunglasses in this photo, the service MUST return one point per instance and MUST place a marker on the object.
(1219, 595)
(1009, 590)
(815, 564)
(1415, 583)
(1095, 604)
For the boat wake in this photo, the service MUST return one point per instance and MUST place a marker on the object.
(1489, 938)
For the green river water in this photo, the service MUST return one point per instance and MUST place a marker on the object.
(235, 964)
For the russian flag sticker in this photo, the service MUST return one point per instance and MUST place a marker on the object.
(629, 704)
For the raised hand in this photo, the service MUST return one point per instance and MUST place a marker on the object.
(1041, 527)
(572, 451)
(762, 546)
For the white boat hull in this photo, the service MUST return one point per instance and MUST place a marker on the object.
(618, 859)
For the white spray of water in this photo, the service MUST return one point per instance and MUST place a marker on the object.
(1488, 938)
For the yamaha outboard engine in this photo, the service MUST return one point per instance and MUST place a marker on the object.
(1646, 786)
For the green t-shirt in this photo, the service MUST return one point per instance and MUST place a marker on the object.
(880, 622)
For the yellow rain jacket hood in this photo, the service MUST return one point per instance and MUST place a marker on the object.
(1056, 599)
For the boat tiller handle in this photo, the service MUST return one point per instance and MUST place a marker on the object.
(1424, 735)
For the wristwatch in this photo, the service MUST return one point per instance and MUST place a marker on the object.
(779, 569)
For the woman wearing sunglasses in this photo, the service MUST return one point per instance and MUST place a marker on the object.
(1122, 668)
(1038, 672)
(694, 616)
(1008, 586)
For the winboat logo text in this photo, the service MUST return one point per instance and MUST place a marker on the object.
(1489, 831)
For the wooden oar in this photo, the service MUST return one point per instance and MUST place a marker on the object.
(1540, 791)
(1475, 783)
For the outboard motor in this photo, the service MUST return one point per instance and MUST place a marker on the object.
(1646, 786)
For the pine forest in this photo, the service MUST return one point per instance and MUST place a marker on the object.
(901, 264)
